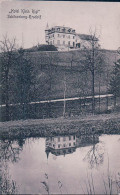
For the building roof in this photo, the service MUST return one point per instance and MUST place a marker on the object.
(87, 37)
(61, 29)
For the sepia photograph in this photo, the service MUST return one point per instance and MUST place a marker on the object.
(59, 97)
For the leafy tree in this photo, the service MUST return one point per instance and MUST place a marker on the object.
(24, 80)
(115, 81)
(7, 48)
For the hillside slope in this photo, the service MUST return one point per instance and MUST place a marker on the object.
(54, 69)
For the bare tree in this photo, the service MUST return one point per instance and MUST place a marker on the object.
(92, 59)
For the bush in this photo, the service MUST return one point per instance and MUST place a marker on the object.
(41, 48)
(47, 48)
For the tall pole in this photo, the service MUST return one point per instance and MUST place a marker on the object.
(64, 107)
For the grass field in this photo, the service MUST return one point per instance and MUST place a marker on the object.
(106, 123)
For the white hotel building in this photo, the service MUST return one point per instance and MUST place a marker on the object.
(65, 38)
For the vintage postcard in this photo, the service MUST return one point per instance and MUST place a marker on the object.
(59, 97)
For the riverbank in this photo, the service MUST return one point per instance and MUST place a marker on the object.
(106, 123)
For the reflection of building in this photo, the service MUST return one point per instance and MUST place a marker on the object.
(61, 145)
(66, 37)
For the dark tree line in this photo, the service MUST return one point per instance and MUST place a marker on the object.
(114, 87)
(17, 76)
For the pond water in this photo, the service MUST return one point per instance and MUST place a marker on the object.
(68, 164)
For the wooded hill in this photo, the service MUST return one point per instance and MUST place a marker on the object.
(53, 68)
(54, 71)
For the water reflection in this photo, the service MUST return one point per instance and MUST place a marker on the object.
(62, 145)
(9, 152)
(26, 169)
(7, 185)
(95, 156)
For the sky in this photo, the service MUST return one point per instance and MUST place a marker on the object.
(82, 16)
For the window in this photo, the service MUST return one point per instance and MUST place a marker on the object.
(68, 36)
(63, 42)
(69, 144)
(74, 143)
(58, 145)
(63, 36)
(64, 145)
(53, 42)
(50, 42)
(58, 35)
(58, 42)
(74, 137)
(53, 35)
(68, 43)
(69, 137)
(58, 139)
(64, 138)
(73, 37)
